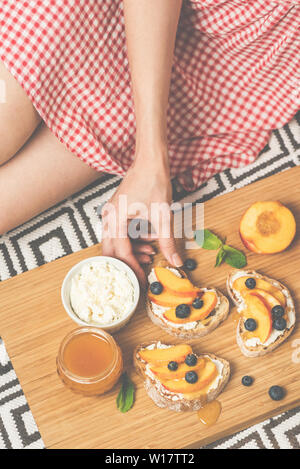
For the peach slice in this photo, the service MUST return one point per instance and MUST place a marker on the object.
(239, 285)
(267, 227)
(207, 376)
(209, 299)
(257, 309)
(201, 394)
(176, 285)
(163, 372)
(158, 356)
(167, 298)
(266, 297)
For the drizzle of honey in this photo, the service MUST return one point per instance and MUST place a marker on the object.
(209, 414)
(88, 355)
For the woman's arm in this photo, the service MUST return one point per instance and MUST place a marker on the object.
(151, 27)
(150, 30)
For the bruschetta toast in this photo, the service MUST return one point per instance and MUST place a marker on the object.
(267, 311)
(178, 379)
(180, 308)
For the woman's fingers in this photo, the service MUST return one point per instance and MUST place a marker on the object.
(147, 238)
(164, 228)
(143, 248)
(107, 247)
(143, 252)
(168, 248)
(124, 252)
(144, 231)
(143, 259)
(121, 249)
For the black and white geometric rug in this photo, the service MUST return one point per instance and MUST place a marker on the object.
(18, 429)
(70, 226)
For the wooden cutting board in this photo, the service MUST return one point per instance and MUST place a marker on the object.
(33, 323)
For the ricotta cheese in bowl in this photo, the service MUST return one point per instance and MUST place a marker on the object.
(101, 291)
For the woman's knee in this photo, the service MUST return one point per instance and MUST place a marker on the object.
(12, 139)
(18, 117)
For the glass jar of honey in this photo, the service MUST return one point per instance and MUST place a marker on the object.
(89, 361)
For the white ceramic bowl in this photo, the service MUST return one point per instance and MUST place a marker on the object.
(66, 286)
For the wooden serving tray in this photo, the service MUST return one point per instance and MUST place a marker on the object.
(33, 323)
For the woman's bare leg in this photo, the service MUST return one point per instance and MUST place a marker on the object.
(42, 174)
(18, 117)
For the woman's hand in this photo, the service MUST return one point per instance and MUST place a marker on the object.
(146, 189)
(145, 193)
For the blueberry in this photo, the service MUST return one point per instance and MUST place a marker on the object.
(182, 311)
(276, 393)
(277, 312)
(191, 359)
(191, 377)
(247, 380)
(190, 264)
(250, 325)
(279, 324)
(250, 283)
(172, 366)
(198, 303)
(156, 288)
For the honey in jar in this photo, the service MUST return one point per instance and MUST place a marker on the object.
(89, 361)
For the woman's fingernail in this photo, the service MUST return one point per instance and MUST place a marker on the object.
(176, 260)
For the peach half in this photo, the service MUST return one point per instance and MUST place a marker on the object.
(267, 227)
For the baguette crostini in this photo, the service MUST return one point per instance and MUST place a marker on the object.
(177, 379)
(181, 309)
(267, 311)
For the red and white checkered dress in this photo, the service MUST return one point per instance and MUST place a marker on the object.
(235, 77)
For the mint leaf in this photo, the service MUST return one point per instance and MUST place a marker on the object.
(220, 257)
(234, 257)
(208, 240)
(129, 398)
(120, 398)
(125, 397)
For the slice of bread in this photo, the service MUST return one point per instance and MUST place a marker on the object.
(217, 316)
(260, 349)
(177, 402)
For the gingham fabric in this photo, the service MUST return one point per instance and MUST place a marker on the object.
(235, 77)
